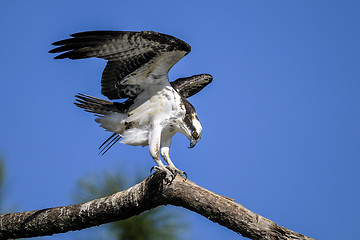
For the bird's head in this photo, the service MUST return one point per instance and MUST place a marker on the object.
(192, 128)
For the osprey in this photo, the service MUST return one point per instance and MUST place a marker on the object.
(137, 70)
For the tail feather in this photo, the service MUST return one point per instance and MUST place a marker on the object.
(100, 108)
(109, 143)
(95, 105)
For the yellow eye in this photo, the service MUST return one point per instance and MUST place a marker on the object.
(194, 134)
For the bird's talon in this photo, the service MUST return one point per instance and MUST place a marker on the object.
(170, 176)
(168, 181)
(175, 171)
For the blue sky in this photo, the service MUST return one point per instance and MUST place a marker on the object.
(281, 118)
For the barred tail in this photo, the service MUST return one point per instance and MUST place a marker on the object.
(95, 105)
(100, 108)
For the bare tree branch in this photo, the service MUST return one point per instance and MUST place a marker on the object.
(150, 193)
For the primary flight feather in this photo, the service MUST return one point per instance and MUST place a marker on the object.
(137, 70)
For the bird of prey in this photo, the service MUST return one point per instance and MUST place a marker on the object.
(153, 109)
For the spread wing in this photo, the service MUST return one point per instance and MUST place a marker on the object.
(135, 59)
(191, 85)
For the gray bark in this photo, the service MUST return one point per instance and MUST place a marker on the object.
(150, 193)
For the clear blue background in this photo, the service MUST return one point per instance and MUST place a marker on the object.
(281, 118)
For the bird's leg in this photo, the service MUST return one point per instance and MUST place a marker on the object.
(154, 145)
(165, 153)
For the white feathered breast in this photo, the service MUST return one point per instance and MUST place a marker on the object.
(163, 107)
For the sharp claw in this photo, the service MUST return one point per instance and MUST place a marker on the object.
(175, 171)
(172, 179)
(169, 178)
(169, 175)
(168, 181)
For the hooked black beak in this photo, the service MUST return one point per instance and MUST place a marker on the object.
(192, 143)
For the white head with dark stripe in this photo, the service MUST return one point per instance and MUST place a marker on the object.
(191, 126)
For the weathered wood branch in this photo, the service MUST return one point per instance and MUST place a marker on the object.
(150, 193)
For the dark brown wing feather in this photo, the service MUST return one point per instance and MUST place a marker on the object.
(189, 86)
(126, 52)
